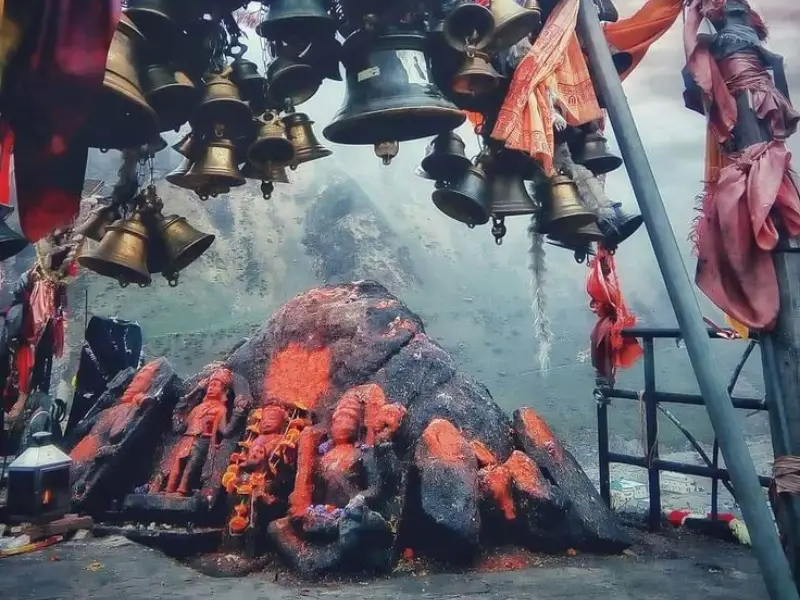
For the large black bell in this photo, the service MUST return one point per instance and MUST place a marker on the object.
(160, 20)
(291, 82)
(467, 200)
(390, 93)
(291, 17)
(510, 198)
(594, 155)
(618, 227)
(445, 159)
(11, 243)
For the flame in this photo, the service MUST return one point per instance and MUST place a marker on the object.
(47, 496)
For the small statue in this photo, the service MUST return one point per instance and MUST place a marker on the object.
(201, 432)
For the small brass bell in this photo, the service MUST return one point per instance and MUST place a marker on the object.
(467, 199)
(509, 196)
(618, 227)
(306, 146)
(594, 155)
(122, 118)
(172, 95)
(178, 177)
(445, 159)
(221, 104)
(271, 144)
(512, 23)
(122, 253)
(563, 214)
(468, 24)
(476, 76)
(216, 167)
(160, 20)
(291, 82)
(185, 147)
(11, 242)
(182, 244)
(252, 85)
(97, 223)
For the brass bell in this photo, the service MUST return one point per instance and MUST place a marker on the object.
(509, 196)
(122, 117)
(98, 221)
(216, 167)
(291, 82)
(594, 155)
(171, 94)
(178, 178)
(468, 24)
(618, 227)
(563, 214)
(268, 172)
(476, 76)
(182, 244)
(306, 146)
(271, 144)
(445, 159)
(11, 242)
(292, 17)
(122, 253)
(398, 101)
(252, 85)
(513, 23)
(185, 147)
(221, 104)
(467, 199)
(160, 20)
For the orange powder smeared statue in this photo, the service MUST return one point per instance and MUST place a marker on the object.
(202, 432)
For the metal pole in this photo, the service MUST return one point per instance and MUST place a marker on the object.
(651, 435)
(763, 535)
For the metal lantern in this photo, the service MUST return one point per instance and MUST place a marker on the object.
(39, 482)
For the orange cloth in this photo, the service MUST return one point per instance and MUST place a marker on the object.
(555, 60)
(635, 34)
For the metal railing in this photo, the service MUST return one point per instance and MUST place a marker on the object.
(653, 400)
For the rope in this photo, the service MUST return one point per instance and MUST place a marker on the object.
(786, 473)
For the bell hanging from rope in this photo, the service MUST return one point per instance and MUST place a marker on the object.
(182, 244)
(476, 77)
(290, 83)
(512, 23)
(171, 94)
(445, 159)
(160, 20)
(186, 145)
(244, 74)
(122, 253)
(467, 199)
(98, 222)
(618, 227)
(11, 242)
(300, 133)
(122, 118)
(594, 155)
(510, 197)
(468, 24)
(307, 18)
(563, 213)
(216, 169)
(390, 94)
(271, 144)
(221, 103)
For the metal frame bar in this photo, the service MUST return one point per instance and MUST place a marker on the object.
(774, 565)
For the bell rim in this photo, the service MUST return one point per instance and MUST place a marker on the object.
(13, 246)
(456, 165)
(565, 245)
(614, 236)
(455, 115)
(197, 181)
(99, 266)
(566, 225)
(438, 198)
(313, 153)
(195, 250)
(603, 164)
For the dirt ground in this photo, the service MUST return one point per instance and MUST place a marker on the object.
(667, 566)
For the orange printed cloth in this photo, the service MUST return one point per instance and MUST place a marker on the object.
(609, 349)
(554, 65)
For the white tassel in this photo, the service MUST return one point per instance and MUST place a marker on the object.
(541, 322)
(559, 122)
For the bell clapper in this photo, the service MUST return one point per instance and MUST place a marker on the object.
(172, 279)
(498, 229)
(267, 187)
(386, 151)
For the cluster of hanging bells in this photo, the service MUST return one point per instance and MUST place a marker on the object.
(131, 248)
